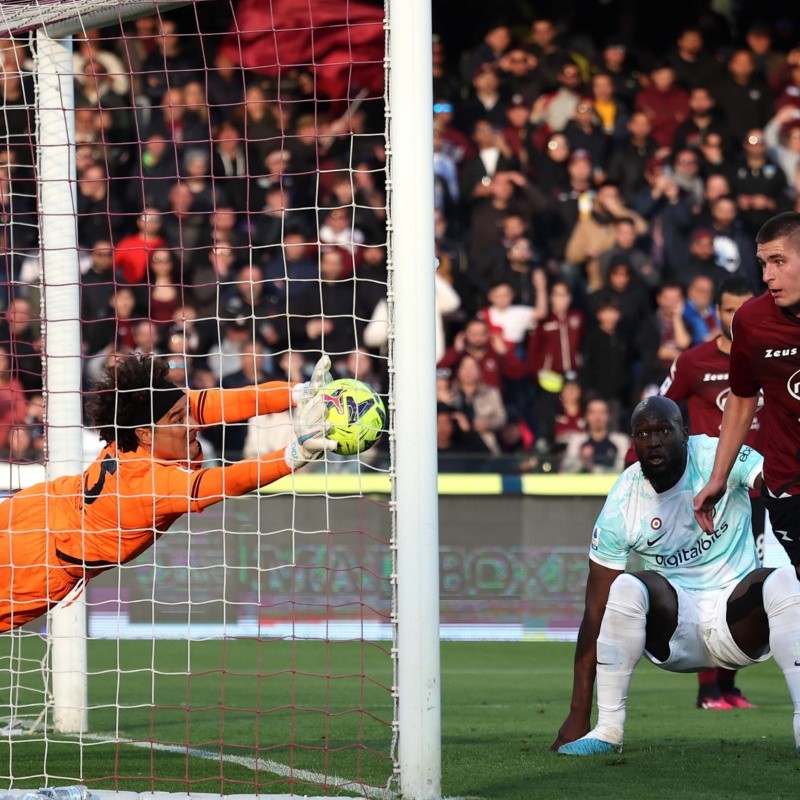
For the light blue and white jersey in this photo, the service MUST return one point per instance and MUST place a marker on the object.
(662, 530)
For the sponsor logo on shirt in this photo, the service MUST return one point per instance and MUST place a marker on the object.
(715, 376)
(793, 384)
(686, 554)
(780, 352)
(595, 538)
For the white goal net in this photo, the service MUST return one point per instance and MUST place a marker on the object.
(230, 186)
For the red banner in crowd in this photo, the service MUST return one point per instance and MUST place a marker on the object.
(340, 42)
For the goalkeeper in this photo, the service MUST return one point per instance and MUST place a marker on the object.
(700, 601)
(55, 536)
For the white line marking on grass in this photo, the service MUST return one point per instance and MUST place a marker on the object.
(254, 764)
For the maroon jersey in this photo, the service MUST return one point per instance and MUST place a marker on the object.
(766, 356)
(700, 377)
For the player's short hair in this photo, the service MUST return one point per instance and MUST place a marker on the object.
(735, 285)
(781, 226)
(117, 398)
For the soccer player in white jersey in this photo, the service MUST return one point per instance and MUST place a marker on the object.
(700, 600)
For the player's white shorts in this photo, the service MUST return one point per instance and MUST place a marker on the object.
(702, 638)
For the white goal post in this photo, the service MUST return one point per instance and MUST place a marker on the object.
(411, 366)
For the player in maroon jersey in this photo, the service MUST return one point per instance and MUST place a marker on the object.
(765, 357)
(699, 376)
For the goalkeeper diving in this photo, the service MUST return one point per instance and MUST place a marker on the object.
(56, 536)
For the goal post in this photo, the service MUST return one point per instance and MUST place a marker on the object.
(412, 508)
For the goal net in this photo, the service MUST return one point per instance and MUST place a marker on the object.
(218, 183)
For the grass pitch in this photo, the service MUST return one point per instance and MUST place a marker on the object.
(325, 710)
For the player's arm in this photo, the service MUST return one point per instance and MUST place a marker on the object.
(577, 722)
(212, 406)
(736, 421)
(178, 493)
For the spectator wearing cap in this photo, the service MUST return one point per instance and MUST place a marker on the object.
(627, 162)
(552, 111)
(224, 358)
(664, 102)
(692, 63)
(758, 183)
(519, 74)
(782, 137)
(742, 97)
(585, 132)
(611, 112)
(703, 118)
(518, 132)
(593, 235)
(616, 61)
(455, 142)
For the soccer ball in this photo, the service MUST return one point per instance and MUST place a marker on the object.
(357, 414)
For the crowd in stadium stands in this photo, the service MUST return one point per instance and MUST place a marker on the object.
(590, 197)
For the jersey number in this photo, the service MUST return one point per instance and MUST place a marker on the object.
(108, 466)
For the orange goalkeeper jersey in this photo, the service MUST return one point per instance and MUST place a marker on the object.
(54, 535)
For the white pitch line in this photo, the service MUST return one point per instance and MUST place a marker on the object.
(253, 764)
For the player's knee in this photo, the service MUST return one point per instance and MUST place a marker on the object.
(628, 596)
(781, 590)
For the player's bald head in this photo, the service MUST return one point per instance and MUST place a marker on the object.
(657, 409)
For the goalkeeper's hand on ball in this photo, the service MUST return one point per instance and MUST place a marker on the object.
(310, 430)
(319, 377)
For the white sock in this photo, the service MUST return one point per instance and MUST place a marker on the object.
(620, 645)
(782, 604)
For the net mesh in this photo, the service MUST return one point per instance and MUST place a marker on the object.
(230, 212)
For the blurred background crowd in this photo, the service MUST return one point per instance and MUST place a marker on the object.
(594, 188)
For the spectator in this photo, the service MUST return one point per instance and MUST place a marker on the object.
(610, 109)
(514, 321)
(496, 42)
(550, 54)
(782, 138)
(628, 161)
(459, 447)
(181, 225)
(569, 420)
(552, 111)
(609, 355)
(699, 313)
(616, 61)
(554, 350)
(445, 85)
(701, 261)
(625, 289)
(163, 292)
(520, 75)
(742, 97)
(229, 164)
(733, 244)
(664, 103)
(224, 358)
(113, 330)
(692, 64)
(99, 210)
(170, 119)
(20, 340)
(481, 404)
(758, 184)
(153, 174)
(132, 253)
(169, 64)
(13, 402)
(594, 235)
(90, 47)
(769, 61)
(98, 283)
(703, 119)
(225, 82)
(550, 166)
(485, 100)
(498, 362)
(494, 156)
(624, 247)
(585, 133)
(600, 449)
(666, 337)
(20, 447)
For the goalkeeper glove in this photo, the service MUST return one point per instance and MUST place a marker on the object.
(319, 377)
(310, 427)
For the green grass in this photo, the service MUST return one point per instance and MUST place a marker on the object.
(502, 706)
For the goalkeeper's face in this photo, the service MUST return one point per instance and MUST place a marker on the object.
(174, 436)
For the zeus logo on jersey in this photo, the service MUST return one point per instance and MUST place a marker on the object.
(777, 352)
(686, 554)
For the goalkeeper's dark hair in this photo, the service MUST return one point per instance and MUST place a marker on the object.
(117, 399)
